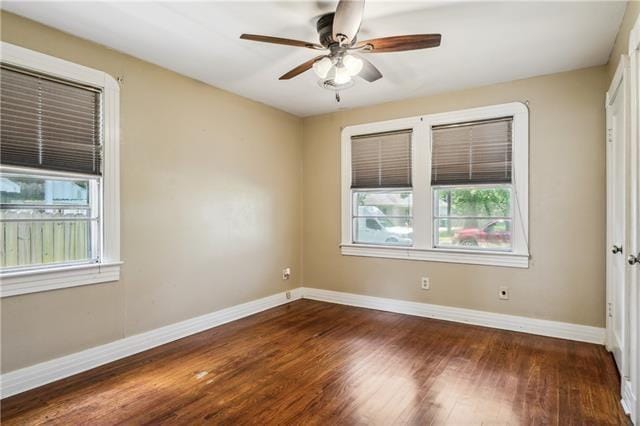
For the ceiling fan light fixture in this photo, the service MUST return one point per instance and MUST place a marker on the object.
(352, 64)
(338, 37)
(322, 67)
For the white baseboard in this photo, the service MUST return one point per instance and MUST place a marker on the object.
(17, 381)
(31, 377)
(562, 330)
(628, 401)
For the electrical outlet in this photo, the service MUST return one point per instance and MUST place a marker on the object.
(286, 273)
(503, 292)
(425, 284)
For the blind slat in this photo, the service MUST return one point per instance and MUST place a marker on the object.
(472, 153)
(49, 124)
(381, 160)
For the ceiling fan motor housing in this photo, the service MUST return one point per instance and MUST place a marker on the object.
(325, 30)
(324, 27)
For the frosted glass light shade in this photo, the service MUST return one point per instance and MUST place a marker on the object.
(352, 64)
(322, 67)
(342, 75)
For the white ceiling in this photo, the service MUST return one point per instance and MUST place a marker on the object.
(482, 43)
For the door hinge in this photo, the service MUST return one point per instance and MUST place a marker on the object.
(609, 310)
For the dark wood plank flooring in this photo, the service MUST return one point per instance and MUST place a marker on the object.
(317, 363)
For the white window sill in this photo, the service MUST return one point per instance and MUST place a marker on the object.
(37, 280)
(491, 258)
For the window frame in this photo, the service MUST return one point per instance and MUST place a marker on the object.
(49, 277)
(423, 247)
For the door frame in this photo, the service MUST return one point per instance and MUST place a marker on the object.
(619, 87)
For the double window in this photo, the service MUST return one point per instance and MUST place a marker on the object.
(58, 174)
(446, 187)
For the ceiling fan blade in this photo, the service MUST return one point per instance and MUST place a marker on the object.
(279, 40)
(369, 71)
(401, 43)
(301, 68)
(347, 20)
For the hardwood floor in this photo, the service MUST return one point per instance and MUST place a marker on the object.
(317, 363)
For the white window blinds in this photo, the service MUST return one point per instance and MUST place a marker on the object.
(48, 123)
(472, 153)
(381, 160)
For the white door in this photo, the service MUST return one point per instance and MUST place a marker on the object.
(631, 387)
(617, 292)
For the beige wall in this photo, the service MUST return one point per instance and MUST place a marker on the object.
(211, 208)
(567, 215)
(621, 45)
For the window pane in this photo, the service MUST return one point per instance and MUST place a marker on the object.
(45, 221)
(40, 242)
(472, 233)
(42, 191)
(473, 218)
(383, 217)
(473, 202)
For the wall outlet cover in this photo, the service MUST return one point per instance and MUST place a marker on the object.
(425, 284)
(286, 273)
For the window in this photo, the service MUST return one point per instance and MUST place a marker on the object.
(471, 172)
(381, 188)
(59, 224)
(448, 187)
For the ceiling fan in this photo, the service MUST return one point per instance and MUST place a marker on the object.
(338, 38)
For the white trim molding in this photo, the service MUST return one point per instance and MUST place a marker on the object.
(24, 282)
(44, 277)
(423, 248)
(18, 381)
(487, 258)
(562, 330)
(21, 380)
(628, 401)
